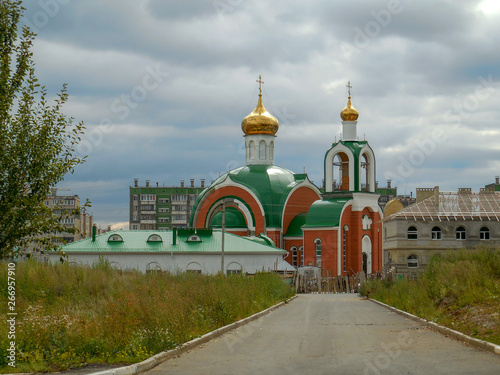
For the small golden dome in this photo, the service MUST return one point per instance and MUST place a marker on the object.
(349, 113)
(260, 121)
(393, 206)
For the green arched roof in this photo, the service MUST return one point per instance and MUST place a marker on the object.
(269, 183)
(325, 213)
(294, 229)
(234, 219)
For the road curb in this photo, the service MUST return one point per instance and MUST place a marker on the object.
(155, 360)
(481, 344)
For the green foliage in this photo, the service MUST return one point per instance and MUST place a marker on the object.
(70, 315)
(460, 289)
(37, 142)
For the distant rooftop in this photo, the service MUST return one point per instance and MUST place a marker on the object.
(446, 206)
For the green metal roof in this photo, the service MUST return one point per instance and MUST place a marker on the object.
(294, 229)
(271, 185)
(234, 219)
(262, 239)
(136, 241)
(325, 213)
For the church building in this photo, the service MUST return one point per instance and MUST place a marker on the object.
(336, 228)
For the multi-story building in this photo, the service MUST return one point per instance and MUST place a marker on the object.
(439, 222)
(162, 207)
(65, 205)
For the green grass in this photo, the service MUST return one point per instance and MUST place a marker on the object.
(71, 315)
(460, 290)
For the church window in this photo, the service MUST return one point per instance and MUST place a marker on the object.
(367, 222)
(412, 261)
(262, 150)
(436, 233)
(460, 233)
(317, 241)
(301, 251)
(484, 233)
(271, 150)
(412, 233)
(294, 255)
(251, 150)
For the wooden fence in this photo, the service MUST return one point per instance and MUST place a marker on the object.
(323, 281)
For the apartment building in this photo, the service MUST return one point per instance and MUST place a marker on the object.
(154, 207)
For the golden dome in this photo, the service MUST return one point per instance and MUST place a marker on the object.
(260, 121)
(393, 206)
(349, 113)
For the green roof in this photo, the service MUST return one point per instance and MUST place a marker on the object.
(136, 241)
(234, 219)
(294, 229)
(270, 184)
(325, 213)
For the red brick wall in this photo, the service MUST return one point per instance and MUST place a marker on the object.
(328, 248)
(299, 202)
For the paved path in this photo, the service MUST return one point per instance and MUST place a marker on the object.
(332, 334)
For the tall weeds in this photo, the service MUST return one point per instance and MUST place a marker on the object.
(69, 315)
(460, 289)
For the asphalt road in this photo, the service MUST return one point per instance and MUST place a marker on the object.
(332, 334)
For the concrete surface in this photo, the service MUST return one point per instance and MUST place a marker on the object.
(332, 334)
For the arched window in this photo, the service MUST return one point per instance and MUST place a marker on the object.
(115, 238)
(412, 261)
(317, 241)
(412, 233)
(293, 250)
(436, 233)
(234, 268)
(460, 233)
(251, 150)
(484, 233)
(194, 267)
(154, 238)
(301, 250)
(262, 150)
(153, 267)
(271, 150)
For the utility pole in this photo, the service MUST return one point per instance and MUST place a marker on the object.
(223, 230)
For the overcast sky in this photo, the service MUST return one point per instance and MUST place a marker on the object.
(162, 87)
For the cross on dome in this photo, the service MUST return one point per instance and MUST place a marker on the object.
(349, 87)
(260, 82)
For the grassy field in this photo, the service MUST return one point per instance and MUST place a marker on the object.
(460, 290)
(69, 315)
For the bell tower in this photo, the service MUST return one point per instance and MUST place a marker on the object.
(349, 163)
